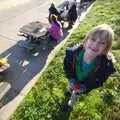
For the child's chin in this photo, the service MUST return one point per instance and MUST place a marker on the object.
(92, 53)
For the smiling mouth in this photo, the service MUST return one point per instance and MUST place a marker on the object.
(93, 50)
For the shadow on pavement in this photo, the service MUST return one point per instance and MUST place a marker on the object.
(24, 66)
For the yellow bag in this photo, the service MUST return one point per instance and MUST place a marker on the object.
(3, 61)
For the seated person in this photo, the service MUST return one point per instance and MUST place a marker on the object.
(55, 31)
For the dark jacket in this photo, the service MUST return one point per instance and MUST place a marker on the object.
(72, 13)
(99, 74)
(53, 10)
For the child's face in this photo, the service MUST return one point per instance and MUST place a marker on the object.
(95, 46)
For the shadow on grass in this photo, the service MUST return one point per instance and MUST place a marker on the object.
(62, 114)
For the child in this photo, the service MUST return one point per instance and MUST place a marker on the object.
(55, 30)
(88, 66)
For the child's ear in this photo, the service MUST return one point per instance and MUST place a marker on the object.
(105, 52)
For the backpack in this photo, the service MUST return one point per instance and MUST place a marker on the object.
(70, 60)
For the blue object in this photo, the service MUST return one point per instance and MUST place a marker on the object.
(85, 65)
(36, 30)
(72, 83)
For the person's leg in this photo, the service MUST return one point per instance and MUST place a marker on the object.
(71, 85)
(51, 41)
(51, 38)
(75, 95)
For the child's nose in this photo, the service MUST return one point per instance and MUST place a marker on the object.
(95, 45)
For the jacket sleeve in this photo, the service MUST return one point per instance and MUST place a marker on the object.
(106, 70)
(97, 79)
(68, 61)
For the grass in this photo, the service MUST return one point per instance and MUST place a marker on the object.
(46, 100)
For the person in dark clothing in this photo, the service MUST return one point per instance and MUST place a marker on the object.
(53, 10)
(72, 15)
(89, 65)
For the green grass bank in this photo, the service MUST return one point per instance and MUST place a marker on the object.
(46, 99)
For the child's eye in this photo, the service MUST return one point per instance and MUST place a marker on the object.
(102, 43)
(93, 39)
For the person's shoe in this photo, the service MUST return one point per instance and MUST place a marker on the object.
(68, 108)
(68, 92)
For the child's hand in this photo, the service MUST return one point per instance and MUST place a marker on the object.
(76, 86)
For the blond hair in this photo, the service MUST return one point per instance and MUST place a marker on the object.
(105, 33)
(53, 17)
